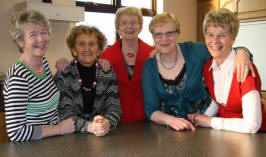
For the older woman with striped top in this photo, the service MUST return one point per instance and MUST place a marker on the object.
(30, 94)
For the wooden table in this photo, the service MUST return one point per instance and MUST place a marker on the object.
(3, 134)
(143, 139)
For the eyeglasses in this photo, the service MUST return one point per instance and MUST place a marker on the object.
(132, 23)
(167, 34)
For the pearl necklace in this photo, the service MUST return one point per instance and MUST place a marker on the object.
(80, 80)
(171, 67)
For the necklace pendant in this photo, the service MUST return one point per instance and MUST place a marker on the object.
(86, 89)
(130, 55)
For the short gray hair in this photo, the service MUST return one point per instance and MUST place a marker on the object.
(20, 19)
(222, 17)
(130, 11)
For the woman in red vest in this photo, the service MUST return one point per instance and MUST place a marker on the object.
(127, 57)
(237, 104)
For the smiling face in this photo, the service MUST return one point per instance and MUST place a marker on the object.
(165, 37)
(86, 49)
(35, 41)
(219, 42)
(129, 26)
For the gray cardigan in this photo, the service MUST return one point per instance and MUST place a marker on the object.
(71, 101)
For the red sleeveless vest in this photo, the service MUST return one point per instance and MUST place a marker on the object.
(233, 107)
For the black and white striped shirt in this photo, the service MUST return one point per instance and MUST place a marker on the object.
(30, 102)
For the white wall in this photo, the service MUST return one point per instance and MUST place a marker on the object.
(253, 36)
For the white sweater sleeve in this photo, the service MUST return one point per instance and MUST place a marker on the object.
(212, 110)
(252, 117)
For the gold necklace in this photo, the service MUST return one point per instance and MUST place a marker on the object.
(31, 67)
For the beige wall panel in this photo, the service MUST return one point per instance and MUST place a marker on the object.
(186, 12)
(251, 10)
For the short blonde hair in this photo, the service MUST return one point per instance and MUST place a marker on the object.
(129, 11)
(222, 17)
(22, 18)
(82, 29)
(161, 19)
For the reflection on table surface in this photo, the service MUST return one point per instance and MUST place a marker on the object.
(144, 139)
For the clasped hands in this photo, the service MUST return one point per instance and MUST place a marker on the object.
(196, 119)
(100, 126)
(200, 120)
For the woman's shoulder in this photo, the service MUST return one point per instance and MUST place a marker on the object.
(106, 78)
(257, 78)
(150, 65)
(70, 68)
(191, 44)
(150, 61)
(16, 72)
(251, 83)
(103, 72)
(115, 46)
(194, 50)
(16, 69)
(111, 52)
(69, 71)
(207, 66)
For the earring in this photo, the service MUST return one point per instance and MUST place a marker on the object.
(74, 54)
